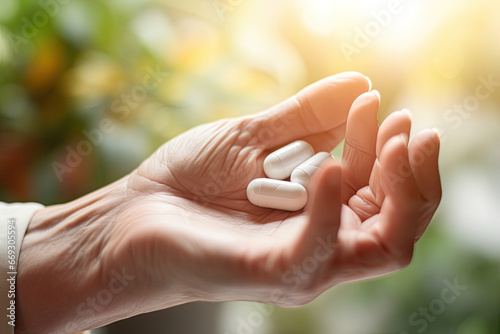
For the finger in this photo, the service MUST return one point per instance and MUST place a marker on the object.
(360, 143)
(315, 110)
(323, 210)
(396, 123)
(424, 155)
(400, 209)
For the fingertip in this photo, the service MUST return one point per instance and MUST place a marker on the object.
(436, 136)
(403, 114)
(407, 112)
(329, 172)
(333, 173)
(325, 183)
(424, 159)
(355, 76)
(366, 81)
(365, 99)
(337, 92)
(394, 144)
(396, 123)
(426, 139)
(431, 134)
(438, 132)
(362, 118)
(404, 137)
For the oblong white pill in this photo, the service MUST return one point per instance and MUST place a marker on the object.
(280, 164)
(277, 194)
(304, 172)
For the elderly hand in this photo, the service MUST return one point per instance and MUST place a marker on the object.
(180, 228)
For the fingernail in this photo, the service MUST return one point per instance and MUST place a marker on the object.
(436, 130)
(376, 93)
(404, 137)
(369, 83)
(407, 111)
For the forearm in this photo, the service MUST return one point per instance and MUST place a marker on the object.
(81, 265)
(60, 263)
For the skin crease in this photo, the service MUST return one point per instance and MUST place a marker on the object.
(179, 228)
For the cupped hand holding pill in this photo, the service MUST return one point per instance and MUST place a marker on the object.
(183, 226)
(296, 161)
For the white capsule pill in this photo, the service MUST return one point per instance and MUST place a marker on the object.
(277, 194)
(304, 172)
(280, 164)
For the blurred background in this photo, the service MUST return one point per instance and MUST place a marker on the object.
(88, 89)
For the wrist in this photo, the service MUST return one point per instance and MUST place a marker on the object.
(60, 263)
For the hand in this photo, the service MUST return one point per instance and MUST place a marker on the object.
(181, 229)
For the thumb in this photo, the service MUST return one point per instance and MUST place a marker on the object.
(316, 114)
(323, 210)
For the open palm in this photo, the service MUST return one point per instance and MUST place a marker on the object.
(190, 225)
